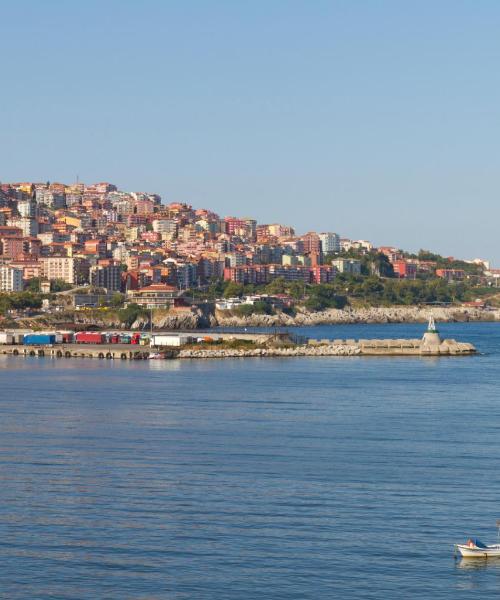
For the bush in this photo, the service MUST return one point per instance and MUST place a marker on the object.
(19, 301)
(258, 308)
(59, 285)
(324, 296)
(131, 313)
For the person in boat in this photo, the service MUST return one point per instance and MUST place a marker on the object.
(475, 543)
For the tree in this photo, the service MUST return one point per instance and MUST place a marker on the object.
(131, 313)
(116, 300)
(19, 301)
(34, 284)
(296, 290)
(277, 286)
(233, 289)
(59, 285)
(324, 296)
(383, 266)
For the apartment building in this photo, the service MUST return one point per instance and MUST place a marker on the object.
(330, 242)
(69, 269)
(108, 277)
(11, 279)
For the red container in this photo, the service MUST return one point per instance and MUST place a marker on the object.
(114, 339)
(89, 337)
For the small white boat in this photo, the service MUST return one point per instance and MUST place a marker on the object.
(474, 548)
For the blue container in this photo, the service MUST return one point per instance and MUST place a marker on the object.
(36, 339)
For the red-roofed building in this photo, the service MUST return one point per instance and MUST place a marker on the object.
(404, 269)
(158, 295)
(451, 274)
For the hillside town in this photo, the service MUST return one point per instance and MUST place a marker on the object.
(60, 236)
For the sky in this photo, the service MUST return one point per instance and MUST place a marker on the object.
(376, 119)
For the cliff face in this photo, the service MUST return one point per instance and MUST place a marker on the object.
(182, 320)
(203, 317)
(398, 314)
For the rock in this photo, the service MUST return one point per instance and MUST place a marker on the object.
(396, 314)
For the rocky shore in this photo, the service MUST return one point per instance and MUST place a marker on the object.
(205, 317)
(396, 314)
(327, 350)
(202, 319)
(401, 347)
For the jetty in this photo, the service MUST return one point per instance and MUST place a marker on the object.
(430, 344)
(243, 344)
(106, 352)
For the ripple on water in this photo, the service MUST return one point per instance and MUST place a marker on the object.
(294, 478)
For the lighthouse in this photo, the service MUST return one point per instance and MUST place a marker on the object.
(431, 336)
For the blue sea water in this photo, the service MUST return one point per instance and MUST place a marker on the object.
(297, 478)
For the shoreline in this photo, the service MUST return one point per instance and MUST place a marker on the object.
(353, 316)
(206, 319)
(363, 316)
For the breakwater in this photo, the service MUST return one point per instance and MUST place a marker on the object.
(396, 347)
(399, 347)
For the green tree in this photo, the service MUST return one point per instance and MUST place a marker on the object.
(131, 313)
(33, 284)
(59, 285)
(116, 300)
(382, 265)
(233, 290)
(277, 286)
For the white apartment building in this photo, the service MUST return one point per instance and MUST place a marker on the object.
(49, 198)
(347, 265)
(330, 242)
(11, 279)
(69, 269)
(121, 253)
(27, 224)
(27, 208)
(166, 227)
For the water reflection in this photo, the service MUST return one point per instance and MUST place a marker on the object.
(478, 564)
(164, 365)
(242, 479)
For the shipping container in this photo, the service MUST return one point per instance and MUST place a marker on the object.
(6, 338)
(39, 339)
(170, 340)
(18, 338)
(89, 337)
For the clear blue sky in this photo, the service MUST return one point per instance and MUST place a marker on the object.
(377, 119)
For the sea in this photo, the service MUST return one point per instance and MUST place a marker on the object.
(280, 478)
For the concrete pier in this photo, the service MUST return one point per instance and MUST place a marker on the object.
(338, 347)
(103, 352)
